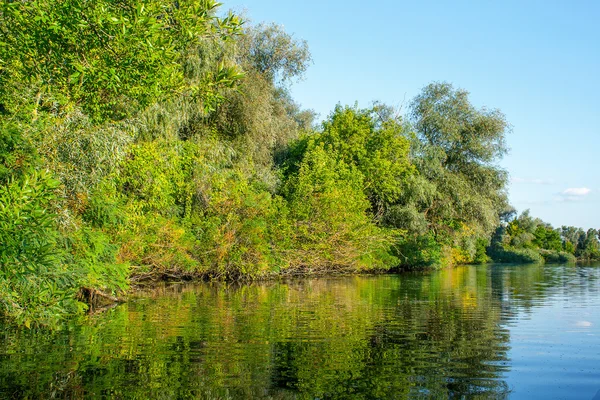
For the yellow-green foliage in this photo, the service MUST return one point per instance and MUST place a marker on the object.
(378, 150)
(328, 211)
(156, 245)
(155, 177)
(190, 211)
(237, 227)
(114, 59)
(93, 254)
(155, 185)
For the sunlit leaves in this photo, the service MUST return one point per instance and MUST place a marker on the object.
(102, 54)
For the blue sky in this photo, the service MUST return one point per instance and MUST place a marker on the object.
(536, 61)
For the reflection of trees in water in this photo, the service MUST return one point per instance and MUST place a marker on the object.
(436, 335)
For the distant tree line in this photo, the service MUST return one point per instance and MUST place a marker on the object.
(528, 239)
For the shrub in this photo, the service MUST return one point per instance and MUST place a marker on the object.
(513, 255)
(553, 256)
(481, 256)
(35, 285)
(416, 251)
(331, 228)
(155, 177)
(157, 246)
(17, 154)
(93, 255)
(237, 228)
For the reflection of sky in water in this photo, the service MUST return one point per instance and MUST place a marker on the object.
(555, 345)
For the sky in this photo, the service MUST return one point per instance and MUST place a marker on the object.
(536, 61)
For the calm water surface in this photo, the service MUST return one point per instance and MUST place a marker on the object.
(522, 332)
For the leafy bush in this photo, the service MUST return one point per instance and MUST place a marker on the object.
(481, 256)
(35, 285)
(420, 251)
(27, 230)
(93, 255)
(157, 246)
(17, 154)
(553, 256)
(239, 227)
(155, 177)
(331, 228)
(514, 255)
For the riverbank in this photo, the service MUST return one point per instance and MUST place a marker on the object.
(119, 162)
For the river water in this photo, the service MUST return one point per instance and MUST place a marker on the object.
(519, 332)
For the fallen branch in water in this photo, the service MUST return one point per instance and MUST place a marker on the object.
(97, 299)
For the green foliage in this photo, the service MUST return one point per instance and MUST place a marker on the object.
(241, 229)
(81, 154)
(155, 177)
(554, 256)
(258, 119)
(156, 246)
(452, 202)
(454, 149)
(420, 251)
(481, 256)
(379, 151)
(17, 154)
(588, 248)
(109, 57)
(527, 239)
(516, 256)
(103, 209)
(446, 120)
(35, 286)
(547, 238)
(273, 53)
(27, 230)
(328, 205)
(91, 253)
(259, 115)
(569, 247)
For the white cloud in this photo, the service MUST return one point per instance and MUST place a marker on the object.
(578, 192)
(532, 181)
(573, 194)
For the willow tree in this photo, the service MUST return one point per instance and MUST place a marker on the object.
(260, 116)
(459, 193)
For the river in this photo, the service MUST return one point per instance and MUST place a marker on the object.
(519, 332)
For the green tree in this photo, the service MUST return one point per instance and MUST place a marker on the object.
(108, 57)
(457, 147)
(547, 238)
(378, 151)
(274, 53)
(590, 247)
(446, 120)
(459, 192)
(328, 207)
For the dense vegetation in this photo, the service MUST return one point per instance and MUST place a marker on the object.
(527, 239)
(143, 140)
